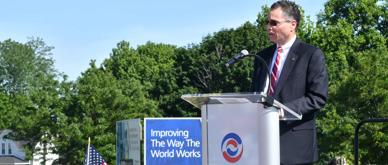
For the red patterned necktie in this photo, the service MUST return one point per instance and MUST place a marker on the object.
(275, 72)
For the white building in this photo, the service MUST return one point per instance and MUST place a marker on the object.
(12, 153)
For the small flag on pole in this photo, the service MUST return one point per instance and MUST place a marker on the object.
(92, 157)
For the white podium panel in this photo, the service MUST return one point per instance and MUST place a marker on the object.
(218, 129)
(240, 124)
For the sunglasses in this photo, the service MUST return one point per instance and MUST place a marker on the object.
(275, 23)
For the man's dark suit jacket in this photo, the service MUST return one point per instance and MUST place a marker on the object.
(303, 87)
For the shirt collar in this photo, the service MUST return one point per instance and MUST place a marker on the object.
(288, 44)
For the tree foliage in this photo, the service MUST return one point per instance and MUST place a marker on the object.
(350, 34)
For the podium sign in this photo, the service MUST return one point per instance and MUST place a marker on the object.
(237, 139)
(230, 143)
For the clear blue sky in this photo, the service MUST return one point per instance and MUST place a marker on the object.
(82, 30)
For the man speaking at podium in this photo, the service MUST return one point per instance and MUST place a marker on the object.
(298, 80)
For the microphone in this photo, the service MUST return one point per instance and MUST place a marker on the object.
(237, 57)
(269, 100)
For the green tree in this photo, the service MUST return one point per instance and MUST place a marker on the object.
(152, 65)
(29, 91)
(99, 100)
(350, 34)
(201, 67)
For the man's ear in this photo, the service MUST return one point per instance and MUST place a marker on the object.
(294, 25)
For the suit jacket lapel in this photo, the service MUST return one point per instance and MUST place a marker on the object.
(288, 66)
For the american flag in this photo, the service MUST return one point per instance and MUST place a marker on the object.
(94, 157)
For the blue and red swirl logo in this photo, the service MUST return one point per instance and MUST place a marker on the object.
(232, 147)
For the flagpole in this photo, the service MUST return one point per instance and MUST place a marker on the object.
(87, 159)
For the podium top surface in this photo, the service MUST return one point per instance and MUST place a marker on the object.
(198, 100)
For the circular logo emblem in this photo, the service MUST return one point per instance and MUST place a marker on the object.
(232, 147)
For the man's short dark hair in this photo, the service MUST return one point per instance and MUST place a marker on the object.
(289, 8)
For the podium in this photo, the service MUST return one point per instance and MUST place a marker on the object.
(239, 128)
